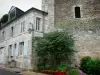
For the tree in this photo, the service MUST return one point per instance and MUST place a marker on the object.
(4, 19)
(55, 47)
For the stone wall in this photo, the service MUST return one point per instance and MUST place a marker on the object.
(65, 9)
(87, 38)
(48, 6)
(86, 29)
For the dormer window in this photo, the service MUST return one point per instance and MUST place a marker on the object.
(12, 15)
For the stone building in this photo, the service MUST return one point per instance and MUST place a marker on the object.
(16, 36)
(79, 17)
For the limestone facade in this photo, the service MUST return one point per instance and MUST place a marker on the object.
(16, 43)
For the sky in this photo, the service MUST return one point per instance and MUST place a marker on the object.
(5, 5)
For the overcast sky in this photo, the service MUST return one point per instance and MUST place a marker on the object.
(5, 5)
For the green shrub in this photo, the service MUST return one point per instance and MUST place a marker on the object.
(96, 67)
(86, 64)
(90, 66)
(74, 72)
(56, 47)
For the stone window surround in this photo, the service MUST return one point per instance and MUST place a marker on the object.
(73, 10)
(77, 12)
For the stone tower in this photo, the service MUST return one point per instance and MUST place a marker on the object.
(48, 6)
(81, 18)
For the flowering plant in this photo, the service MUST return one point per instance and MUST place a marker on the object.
(54, 72)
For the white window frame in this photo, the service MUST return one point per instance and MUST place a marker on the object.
(38, 23)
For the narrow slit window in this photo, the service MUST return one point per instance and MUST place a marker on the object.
(77, 12)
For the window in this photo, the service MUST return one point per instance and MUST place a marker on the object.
(12, 31)
(22, 26)
(15, 46)
(38, 21)
(10, 50)
(12, 15)
(77, 12)
(21, 48)
(3, 35)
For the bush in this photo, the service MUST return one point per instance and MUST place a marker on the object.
(4, 19)
(86, 64)
(55, 47)
(90, 66)
(96, 67)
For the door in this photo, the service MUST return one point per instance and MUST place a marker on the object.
(2, 55)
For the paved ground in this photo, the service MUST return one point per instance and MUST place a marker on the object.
(6, 72)
(32, 73)
(12, 71)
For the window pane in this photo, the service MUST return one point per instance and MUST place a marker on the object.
(21, 48)
(38, 21)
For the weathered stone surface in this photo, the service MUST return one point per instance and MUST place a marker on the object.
(86, 29)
